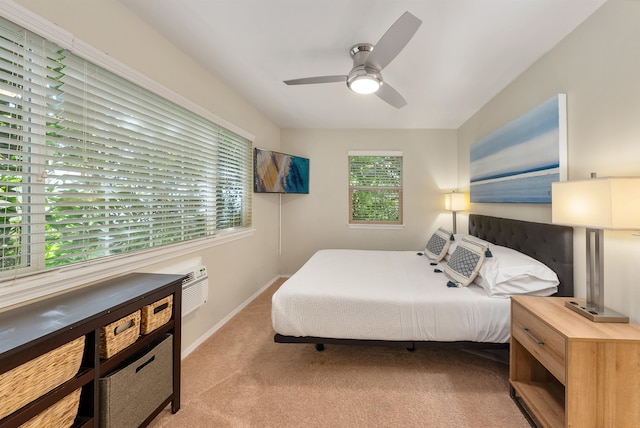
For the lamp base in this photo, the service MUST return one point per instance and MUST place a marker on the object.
(606, 315)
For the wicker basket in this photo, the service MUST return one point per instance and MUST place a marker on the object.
(156, 314)
(60, 415)
(23, 384)
(118, 335)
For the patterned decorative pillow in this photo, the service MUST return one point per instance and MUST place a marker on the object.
(465, 262)
(438, 244)
(457, 237)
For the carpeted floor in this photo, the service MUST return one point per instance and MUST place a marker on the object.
(240, 378)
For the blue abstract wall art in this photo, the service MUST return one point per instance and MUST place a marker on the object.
(518, 162)
(279, 173)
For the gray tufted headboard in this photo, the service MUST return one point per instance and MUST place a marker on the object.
(551, 244)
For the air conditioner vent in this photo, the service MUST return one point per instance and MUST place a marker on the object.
(195, 289)
(190, 277)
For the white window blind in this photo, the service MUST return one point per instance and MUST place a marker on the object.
(94, 165)
(375, 187)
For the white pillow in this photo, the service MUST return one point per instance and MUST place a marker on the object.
(510, 272)
(438, 244)
(465, 262)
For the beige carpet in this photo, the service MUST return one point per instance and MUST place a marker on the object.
(240, 378)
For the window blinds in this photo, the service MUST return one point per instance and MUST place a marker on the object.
(375, 188)
(94, 165)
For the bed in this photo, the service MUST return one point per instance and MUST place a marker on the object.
(401, 298)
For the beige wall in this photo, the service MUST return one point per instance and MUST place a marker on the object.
(236, 270)
(319, 220)
(598, 67)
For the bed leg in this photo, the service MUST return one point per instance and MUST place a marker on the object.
(411, 348)
(319, 347)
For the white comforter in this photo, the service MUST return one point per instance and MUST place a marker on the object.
(384, 295)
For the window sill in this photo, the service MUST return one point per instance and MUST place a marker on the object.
(375, 226)
(16, 291)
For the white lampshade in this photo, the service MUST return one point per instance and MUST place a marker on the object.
(599, 203)
(454, 201)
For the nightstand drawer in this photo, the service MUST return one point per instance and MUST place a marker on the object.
(547, 345)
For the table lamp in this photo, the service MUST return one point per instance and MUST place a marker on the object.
(597, 204)
(453, 202)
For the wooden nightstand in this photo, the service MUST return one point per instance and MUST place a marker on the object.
(571, 372)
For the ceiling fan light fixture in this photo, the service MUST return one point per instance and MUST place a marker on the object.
(369, 60)
(365, 84)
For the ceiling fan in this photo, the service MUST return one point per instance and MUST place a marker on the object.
(368, 61)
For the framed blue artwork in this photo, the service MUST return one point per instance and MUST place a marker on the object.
(275, 172)
(518, 162)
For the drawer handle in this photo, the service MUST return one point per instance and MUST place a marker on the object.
(535, 339)
(143, 365)
(160, 308)
(122, 327)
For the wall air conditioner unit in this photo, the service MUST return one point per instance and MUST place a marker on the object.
(195, 289)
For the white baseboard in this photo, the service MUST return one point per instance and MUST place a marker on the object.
(226, 319)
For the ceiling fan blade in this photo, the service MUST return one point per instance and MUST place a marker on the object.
(318, 79)
(393, 41)
(391, 96)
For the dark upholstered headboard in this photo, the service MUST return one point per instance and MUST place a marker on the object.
(549, 243)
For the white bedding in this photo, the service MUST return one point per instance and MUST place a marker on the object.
(384, 295)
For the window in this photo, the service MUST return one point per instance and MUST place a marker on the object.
(375, 188)
(93, 165)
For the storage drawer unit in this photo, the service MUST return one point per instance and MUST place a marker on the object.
(546, 344)
(119, 334)
(130, 394)
(156, 315)
(62, 414)
(31, 331)
(36, 377)
(568, 371)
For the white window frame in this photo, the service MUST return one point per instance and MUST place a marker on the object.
(375, 224)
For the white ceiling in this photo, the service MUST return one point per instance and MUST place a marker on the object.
(462, 55)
